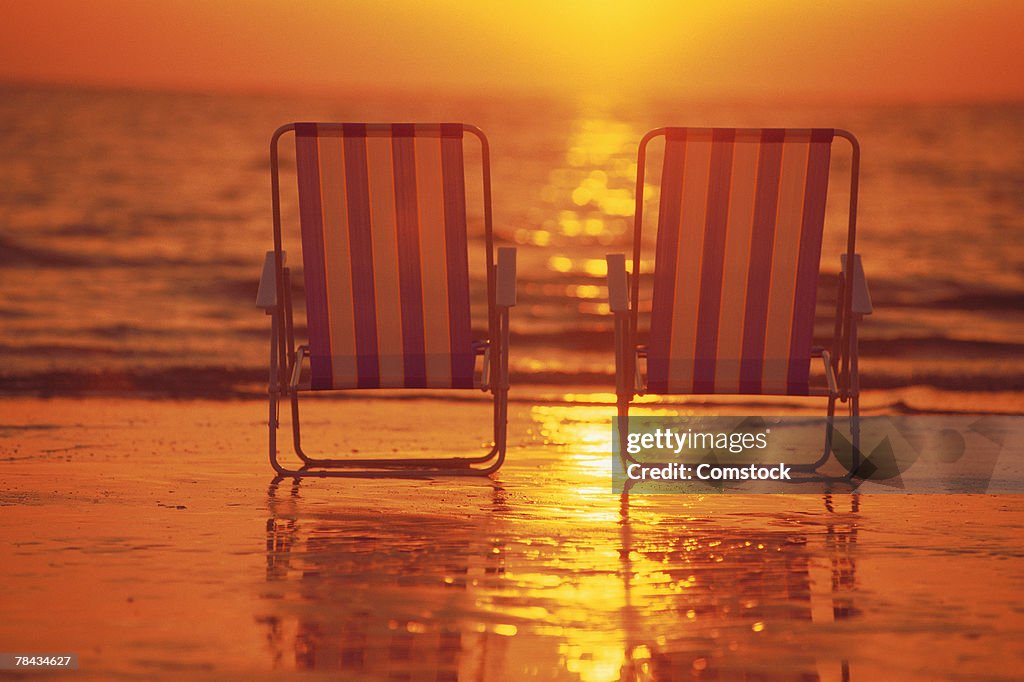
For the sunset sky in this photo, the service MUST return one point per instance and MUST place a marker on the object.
(874, 49)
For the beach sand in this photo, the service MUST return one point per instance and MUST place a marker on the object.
(148, 538)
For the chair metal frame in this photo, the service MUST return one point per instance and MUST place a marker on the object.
(286, 359)
(840, 360)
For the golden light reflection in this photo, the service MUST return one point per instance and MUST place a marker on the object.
(585, 291)
(593, 227)
(596, 140)
(560, 264)
(593, 193)
(538, 366)
(595, 309)
(536, 237)
(569, 225)
(603, 669)
(596, 267)
(609, 398)
(673, 568)
(580, 430)
(594, 589)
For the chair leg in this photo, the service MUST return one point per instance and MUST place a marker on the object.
(853, 395)
(855, 391)
(855, 431)
(273, 434)
(273, 393)
(622, 415)
(297, 430)
(827, 450)
(501, 395)
(500, 433)
(624, 382)
(830, 429)
(405, 467)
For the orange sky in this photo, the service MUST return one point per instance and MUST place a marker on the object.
(877, 49)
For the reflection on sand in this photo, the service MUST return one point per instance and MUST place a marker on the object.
(627, 589)
(359, 597)
(182, 564)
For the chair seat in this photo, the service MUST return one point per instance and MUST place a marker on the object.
(393, 371)
(679, 376)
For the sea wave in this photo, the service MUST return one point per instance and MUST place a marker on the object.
(212, 382)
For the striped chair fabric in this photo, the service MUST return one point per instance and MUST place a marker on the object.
(736, 264)
(383, 219)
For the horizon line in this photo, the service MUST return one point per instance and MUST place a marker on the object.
(498, 92)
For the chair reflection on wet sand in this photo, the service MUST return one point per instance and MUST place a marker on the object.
(386, 269)
(419, 596)
(387, 601)
(762, 581)
(736, 268)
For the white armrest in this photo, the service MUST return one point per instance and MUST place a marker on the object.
(618, 288)
(266, 297)
(830, 375)
(861, 295)
(505, 286)
(297, 370)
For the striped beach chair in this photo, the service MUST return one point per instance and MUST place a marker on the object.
(736, 268)
(385, 256)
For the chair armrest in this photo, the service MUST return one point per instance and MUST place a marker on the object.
(618, 288)
(505, 287)
(300, 355)
(830, 375)
(861, 295)
(266, 297)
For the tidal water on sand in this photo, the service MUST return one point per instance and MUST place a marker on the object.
(133, 225)
(153, 544)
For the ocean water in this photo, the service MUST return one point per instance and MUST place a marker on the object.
(133, 227)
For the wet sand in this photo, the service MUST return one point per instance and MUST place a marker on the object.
(148, 537)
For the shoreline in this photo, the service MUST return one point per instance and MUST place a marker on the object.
(908, 400)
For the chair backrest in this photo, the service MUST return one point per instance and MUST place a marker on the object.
(382, 209)
(737, 256)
